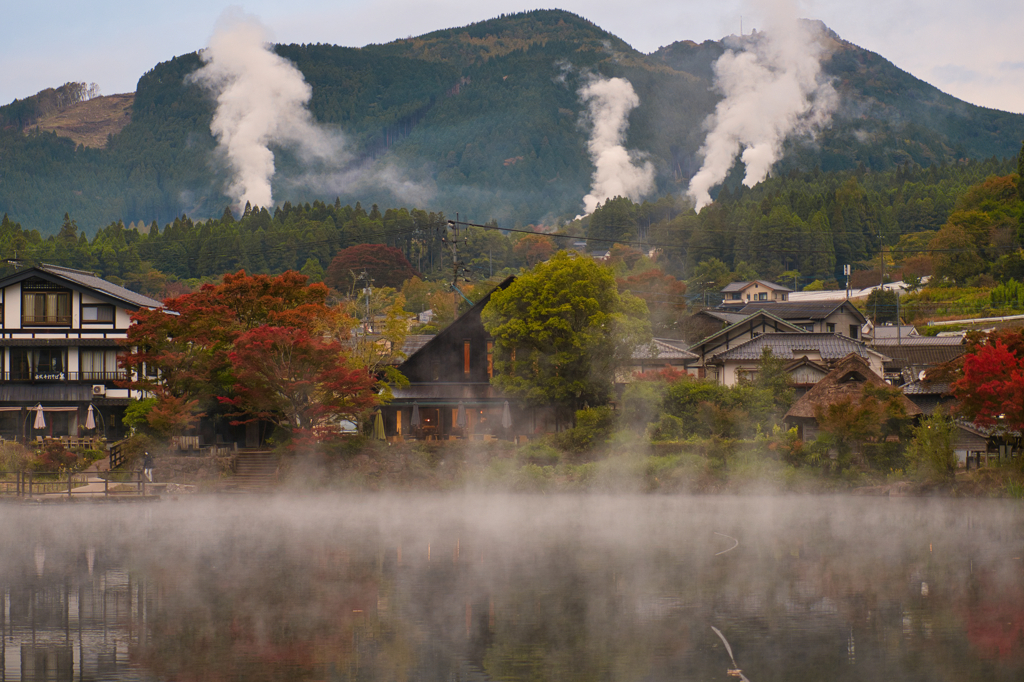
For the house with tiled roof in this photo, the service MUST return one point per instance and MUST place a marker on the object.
(833, 317)
(728, 367)
(748, 327)
(61, 336)
(738, 294)
(909, 357)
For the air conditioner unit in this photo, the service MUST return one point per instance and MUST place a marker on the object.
(99, 389)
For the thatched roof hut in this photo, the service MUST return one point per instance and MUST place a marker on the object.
(845, 382)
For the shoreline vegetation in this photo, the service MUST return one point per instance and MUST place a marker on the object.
(622, 465)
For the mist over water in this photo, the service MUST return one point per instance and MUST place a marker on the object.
(514, 587)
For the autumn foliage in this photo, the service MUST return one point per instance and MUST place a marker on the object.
(386, 266)
(991, 388)
(250, 343)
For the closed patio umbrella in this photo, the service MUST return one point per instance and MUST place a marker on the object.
(40, 422)
(460, 416)
(90, 420)
(506, 417)
(415, 421)
(378, 427)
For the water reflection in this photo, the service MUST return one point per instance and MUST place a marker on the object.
(514, 588)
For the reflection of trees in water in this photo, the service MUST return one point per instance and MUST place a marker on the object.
(833, 594)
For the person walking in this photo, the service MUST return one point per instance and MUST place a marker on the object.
(147, 466)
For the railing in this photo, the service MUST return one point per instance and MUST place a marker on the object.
(31, 483)
(52, 320)
(117, 455)
(44, 375)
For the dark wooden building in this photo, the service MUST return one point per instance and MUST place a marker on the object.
(450, 371)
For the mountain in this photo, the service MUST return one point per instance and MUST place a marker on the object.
(483, 120)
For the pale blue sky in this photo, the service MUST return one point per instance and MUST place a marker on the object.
(968, 49)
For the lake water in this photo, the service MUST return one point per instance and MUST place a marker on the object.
(482, 587)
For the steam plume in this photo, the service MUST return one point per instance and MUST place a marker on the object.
(261, 101)
(617, 172)
(773, 88)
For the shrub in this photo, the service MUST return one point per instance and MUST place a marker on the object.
(54, 457)
(593, 425)
(539, 453)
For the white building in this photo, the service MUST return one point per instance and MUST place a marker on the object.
(61, 334)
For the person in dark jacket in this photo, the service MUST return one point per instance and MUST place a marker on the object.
(147, 466)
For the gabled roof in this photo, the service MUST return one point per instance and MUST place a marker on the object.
(740, 286)
(845, 381)
(802, 310)
(84, 282)
(750, 317)
(789, 345)
(721, 315)
(885, 332)
(475, 310)
(667, 349)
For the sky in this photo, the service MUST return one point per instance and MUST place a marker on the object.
(970, 50)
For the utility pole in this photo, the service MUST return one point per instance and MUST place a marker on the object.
(458, 267)
(367, 290)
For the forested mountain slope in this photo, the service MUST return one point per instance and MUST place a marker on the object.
(484, 120)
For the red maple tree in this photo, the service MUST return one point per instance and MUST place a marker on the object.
(990, 390)
(298, 381)
(183, 354)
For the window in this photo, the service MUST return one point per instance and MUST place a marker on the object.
(39, 308)
(465, 356)
(38, 363)
(99, 364)
(97, 314)
(763, 296)
(853, 331)
(490, 359)
(830, 327)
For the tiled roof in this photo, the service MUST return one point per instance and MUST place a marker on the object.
(926, 388)
(919, 355)
(739, 286)
(886, 332)
(91, 281)
(413, 342)
(728, 318)
(668, 349)
(802, 310)
(918, 341)
(790, 345)
(743, 319)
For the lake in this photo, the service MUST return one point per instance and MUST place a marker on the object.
(497, 587)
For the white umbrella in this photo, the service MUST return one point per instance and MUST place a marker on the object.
(460, 416)
(40, 422)
(90, 421)
(506, 417)
(415, 421)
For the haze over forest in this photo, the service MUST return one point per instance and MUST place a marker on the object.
(500, 120)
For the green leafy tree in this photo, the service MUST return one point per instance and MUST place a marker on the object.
(881, 306)
(562, 331)
(932, 449)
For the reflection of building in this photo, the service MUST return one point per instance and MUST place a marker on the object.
(60, 337)
(60, 625)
